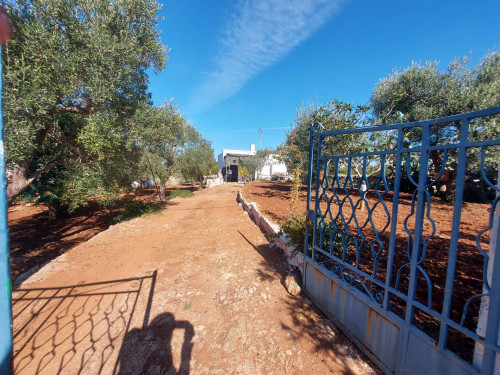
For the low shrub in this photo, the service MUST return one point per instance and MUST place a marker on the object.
(109, 201)
(180, 193)
(295, 228)
(136, 209)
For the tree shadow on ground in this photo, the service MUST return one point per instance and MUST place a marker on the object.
(34, 239)
(308, 322)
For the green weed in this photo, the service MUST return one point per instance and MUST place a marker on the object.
(180, 193)
(295, 228)
(136, 209)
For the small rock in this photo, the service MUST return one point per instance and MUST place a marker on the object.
(291, 285)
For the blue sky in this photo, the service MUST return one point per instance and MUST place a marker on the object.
(239, 65)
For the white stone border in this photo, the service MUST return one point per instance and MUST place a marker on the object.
(272, 229)
(211, 182)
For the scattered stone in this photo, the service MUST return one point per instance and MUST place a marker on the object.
(291, 285)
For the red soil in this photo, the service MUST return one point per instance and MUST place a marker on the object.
(273, 200)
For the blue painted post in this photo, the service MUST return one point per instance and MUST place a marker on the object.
(455, 232)
(416, 246)
(394, 219)
(489, 322)
(308, 208)
(5, 286)
(316, 199)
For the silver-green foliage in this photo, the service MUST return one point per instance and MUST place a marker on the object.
(254, 163)
(196, 160)
(335, 115)
(423, 92)
(76, 99)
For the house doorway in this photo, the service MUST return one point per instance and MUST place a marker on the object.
(233, 177)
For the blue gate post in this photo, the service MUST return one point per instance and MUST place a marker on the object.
(308, 208)
(455, 232)
(5, 285)
(416, 245)
(316, 198)
(489, 322)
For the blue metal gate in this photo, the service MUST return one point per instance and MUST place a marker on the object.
(403, 246)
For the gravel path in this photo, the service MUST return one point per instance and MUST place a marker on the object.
(196, 289)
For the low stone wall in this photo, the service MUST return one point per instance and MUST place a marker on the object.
(214, 182)
(272, 229)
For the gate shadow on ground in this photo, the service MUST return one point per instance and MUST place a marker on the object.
(79, 328)
(308, 322)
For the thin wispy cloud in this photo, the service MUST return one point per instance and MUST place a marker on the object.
(257, 35)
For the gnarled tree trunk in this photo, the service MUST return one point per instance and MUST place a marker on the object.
(17, 182)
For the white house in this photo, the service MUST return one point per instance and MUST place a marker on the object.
(229, 160)
(273, 167)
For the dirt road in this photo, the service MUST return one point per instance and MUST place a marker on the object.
(196, 289)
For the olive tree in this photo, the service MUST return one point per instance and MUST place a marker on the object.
(335, 115)
(75, 73)
(254, 163)
(196, 159)
(423, 92)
